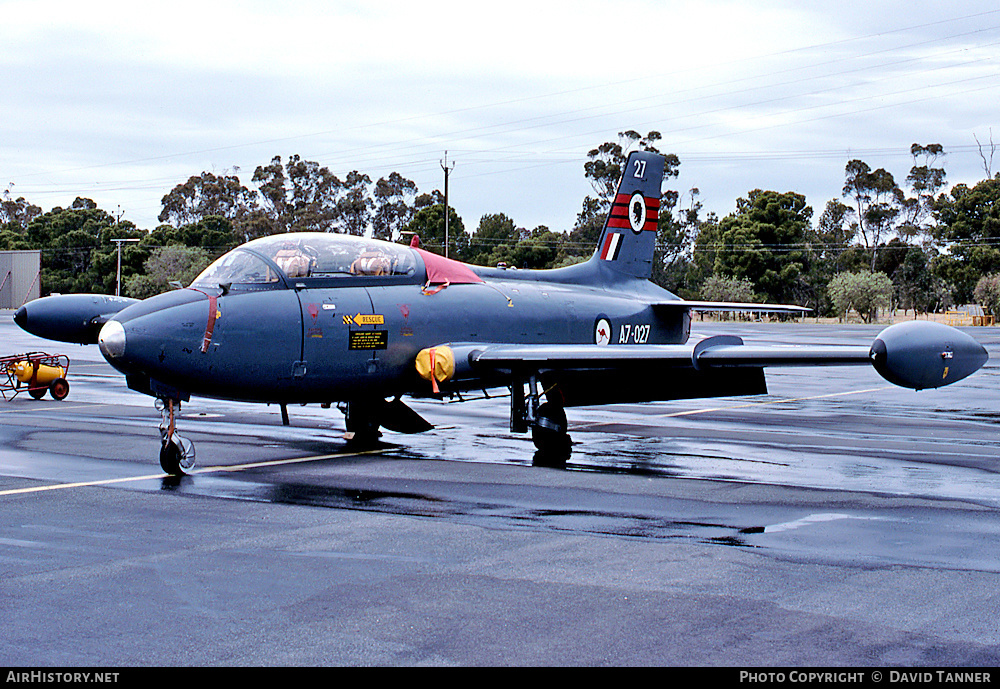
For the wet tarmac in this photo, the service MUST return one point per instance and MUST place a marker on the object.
(837, 520)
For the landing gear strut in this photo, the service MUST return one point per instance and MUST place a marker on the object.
(546, 421)
(361, 417)
(176, 453)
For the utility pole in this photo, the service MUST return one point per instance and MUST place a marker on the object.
(118, 289)
(447, 171)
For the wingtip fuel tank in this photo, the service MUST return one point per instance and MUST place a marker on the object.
(924, 354)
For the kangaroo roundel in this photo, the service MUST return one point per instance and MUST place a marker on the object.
(602, 332)
(637, 212)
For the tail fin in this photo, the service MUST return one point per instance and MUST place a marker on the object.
(629, 235)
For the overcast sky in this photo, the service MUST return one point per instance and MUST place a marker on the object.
(121, 101)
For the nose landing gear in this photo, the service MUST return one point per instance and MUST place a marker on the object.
(176, 452)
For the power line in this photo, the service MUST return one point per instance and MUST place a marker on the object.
(497, 104)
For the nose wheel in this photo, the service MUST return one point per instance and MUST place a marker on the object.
(176, 452)
(177, 456)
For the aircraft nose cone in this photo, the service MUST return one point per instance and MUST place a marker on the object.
(112, 340)
(21, 317)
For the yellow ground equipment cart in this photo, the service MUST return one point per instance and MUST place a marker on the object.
(35, 372)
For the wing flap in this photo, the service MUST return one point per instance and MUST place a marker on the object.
(790, 355)
(578, 356)
(710, 353)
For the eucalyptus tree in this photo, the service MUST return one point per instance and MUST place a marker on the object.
(925, 181)
(969, 228)
(394, 205)
(299, 196)
(354, 208)
(15, 214)
(766, 241)
(876, 200)
(207, 195)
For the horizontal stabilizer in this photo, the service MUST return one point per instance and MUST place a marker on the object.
(730, 306)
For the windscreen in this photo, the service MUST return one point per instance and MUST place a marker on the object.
(238, 267)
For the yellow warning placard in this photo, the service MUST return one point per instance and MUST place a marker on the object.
(368, 339)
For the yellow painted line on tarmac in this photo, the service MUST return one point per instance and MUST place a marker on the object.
(293, 460)
(205, 470)
(692, 412)
(55, 406)
(80, 484)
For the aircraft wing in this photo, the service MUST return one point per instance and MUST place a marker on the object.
(718, 366)
(915, 354)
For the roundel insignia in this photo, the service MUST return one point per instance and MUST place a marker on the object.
(602, 332)
(637, 212)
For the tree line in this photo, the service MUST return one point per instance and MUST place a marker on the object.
(910, 245)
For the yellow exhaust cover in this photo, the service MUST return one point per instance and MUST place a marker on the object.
(436, 364)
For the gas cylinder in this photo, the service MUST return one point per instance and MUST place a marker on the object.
(46, 374)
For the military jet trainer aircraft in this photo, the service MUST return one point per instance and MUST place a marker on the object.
(329, 318)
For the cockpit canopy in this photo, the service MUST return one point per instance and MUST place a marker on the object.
(271, 262)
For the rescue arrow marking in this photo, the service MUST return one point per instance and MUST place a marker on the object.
(365, 319)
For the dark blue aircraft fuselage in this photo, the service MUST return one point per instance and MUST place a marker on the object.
(337, 337)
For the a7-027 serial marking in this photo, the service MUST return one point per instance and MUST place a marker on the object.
(634, 333)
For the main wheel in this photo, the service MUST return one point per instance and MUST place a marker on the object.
(59, 388)
(362, 423)
(548, 432)
(37, 393)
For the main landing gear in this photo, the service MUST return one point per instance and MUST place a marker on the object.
(362, 421)
(363, 418)
(176, 452)
(546, 421)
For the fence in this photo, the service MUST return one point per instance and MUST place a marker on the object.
(966, 318)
